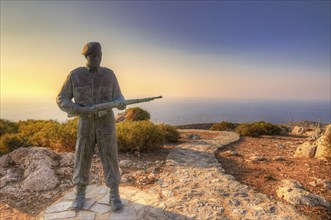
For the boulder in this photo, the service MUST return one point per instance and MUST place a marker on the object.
(294, 193)
(194, 137)
(37, 163)
(327, 133)
(6, 161)
(10, 176)
(321, 183)
(232, 152)
(127, 178)
(315, 134)
(298, 130)
(257, 158)
(41, 180)
(125, 163)
(67, 160)
(323, 145)
(25, 156)
(278, 158)
(305, 150)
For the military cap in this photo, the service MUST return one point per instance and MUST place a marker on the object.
(91, 47)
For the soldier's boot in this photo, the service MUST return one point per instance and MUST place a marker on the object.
(79, 201)
(115, 200)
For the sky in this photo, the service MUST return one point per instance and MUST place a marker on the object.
(219, 49)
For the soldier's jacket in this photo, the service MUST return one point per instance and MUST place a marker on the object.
(87, 89)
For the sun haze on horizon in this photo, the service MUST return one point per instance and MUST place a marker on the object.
(247, 50)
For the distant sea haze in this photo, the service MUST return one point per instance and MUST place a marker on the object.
(177, 111)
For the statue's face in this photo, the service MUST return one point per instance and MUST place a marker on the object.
(93, 60)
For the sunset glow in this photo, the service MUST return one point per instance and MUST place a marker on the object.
(276, 50)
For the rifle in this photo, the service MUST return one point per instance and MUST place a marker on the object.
(102, 108)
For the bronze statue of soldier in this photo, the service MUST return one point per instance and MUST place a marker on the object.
(88, 86)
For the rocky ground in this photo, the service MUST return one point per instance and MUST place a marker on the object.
(22, 198)
(260, 163)
(265, 162)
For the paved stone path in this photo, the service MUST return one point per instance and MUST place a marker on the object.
(195, 186)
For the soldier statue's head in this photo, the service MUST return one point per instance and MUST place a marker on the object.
(93, 54)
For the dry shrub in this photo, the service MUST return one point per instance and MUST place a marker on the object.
(11, 141)
(170, 133)
(8, 127)
(51, 134)
(256, 129)
(136, 114)
(223, 126)
(139, 136)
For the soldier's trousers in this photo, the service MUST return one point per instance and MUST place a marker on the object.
(98, 131)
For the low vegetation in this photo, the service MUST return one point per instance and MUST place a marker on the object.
(223, 126)
(8, 127)
(138, 134)
(51, 134)
(170, 133)
(136, 114)
(256, 129)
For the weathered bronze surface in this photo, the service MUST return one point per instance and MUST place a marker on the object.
(85, 87)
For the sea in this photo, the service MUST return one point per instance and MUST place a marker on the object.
(181, 111)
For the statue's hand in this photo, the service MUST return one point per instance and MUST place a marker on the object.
(121, 106)
(88, 111)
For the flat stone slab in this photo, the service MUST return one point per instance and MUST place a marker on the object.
(86, 215)
(60, 215)
(59, 207)
(88, 203)
(100, 208)
(128, 212)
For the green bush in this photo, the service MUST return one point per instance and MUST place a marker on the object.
(60, 137)
(136, 114)
(10, 142)
(69, 135)
(139, 136)
(170, 133)
(47, 136)
(256, 129)
(54, 135)
(223, 126)
(30, 127)
(8, 127)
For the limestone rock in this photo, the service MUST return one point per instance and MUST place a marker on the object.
(327, 133)
(298, 130)
(64, 172)
(119, 118)
(6, 161)
(37, 163)
(194, 137)
(127, 178)
(10, 176)
(67, 160)
(257, 158)
(279, 158)
(125, 163)
(40, 180)
(315, 134)
(322, 183)
(305, 150)
(232, 152)
(294, 193)
(25, 156)
(323, 144)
